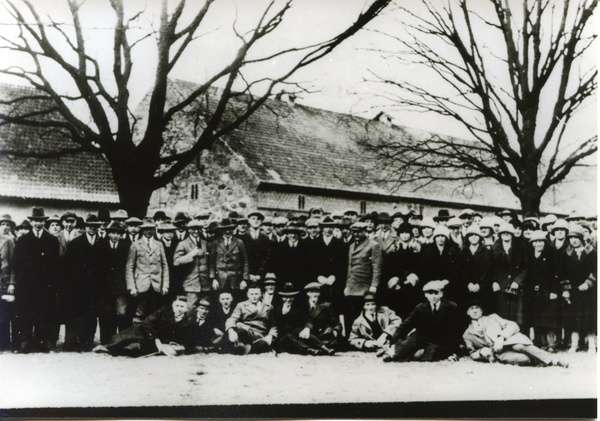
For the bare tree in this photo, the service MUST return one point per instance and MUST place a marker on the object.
(513, 73)
(140, 167)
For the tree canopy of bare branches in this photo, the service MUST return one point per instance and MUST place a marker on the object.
(513, 73)
(52, 45)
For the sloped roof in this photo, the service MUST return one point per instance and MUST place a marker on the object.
(79, 177)
(296, 145)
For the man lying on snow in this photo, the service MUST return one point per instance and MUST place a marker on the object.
(492, 338)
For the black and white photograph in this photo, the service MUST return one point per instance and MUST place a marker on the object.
(298, 209)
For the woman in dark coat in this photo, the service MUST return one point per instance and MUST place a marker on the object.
(577, 275)
(541, 296)
(509, 274)
(474, 261)
(399, 288)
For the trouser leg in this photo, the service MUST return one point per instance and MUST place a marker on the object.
(406, 348)
(534, 352)
(435, 352)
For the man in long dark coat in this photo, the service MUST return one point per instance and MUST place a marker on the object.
(290, 258)
(257, 245)
(83, 287)
(35, 279)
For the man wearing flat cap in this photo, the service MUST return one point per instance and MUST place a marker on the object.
(68, 220)
(364, 271)
(147, 272)
(437, 329)
(82, 285)
(35, 279)
(192, 257)
(323, 321)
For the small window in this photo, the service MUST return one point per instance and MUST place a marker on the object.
(301, 202)
(194, 192)
(363, 208)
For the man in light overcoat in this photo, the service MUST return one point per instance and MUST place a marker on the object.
(147, 272)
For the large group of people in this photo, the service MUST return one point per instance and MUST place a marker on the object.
(404, 287)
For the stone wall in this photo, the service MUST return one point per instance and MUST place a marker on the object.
(218, 181)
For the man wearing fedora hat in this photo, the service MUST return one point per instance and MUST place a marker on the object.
(437, 329)
(180, 222)
(192, 257)
(442, 217)
(82, 287)
(294, 330)
(228, 261)
(35, 279)
(115, 312)
(374, 327)
(492, 338)
(329, 257)
(147, 272)
(289, 258)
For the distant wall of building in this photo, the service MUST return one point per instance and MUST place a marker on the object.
(20, 208)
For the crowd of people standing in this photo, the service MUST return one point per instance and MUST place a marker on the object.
(400, 285)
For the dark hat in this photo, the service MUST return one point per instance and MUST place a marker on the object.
(79, 222)
(302, 218)
(443, 215)
(181, 298)
(68, 215)
(367, 217)
(416, 216)
(241, 221)
(260, 215)
(24, 225)
(7, 218)
(515, 222)
(477, 303)
(293, 228)
(37, 214)
(226, 224)
(530, 225)
(203, 214)
(507, 212)
(213, 227)
(404, 216)
(369, 296)
(288, 290)
(180, 218)
(92, 221)
(384, 218)
(103, 215)
(115, 226)
(166, 227)
(350, 212)
(159, 215)
(404, 227)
